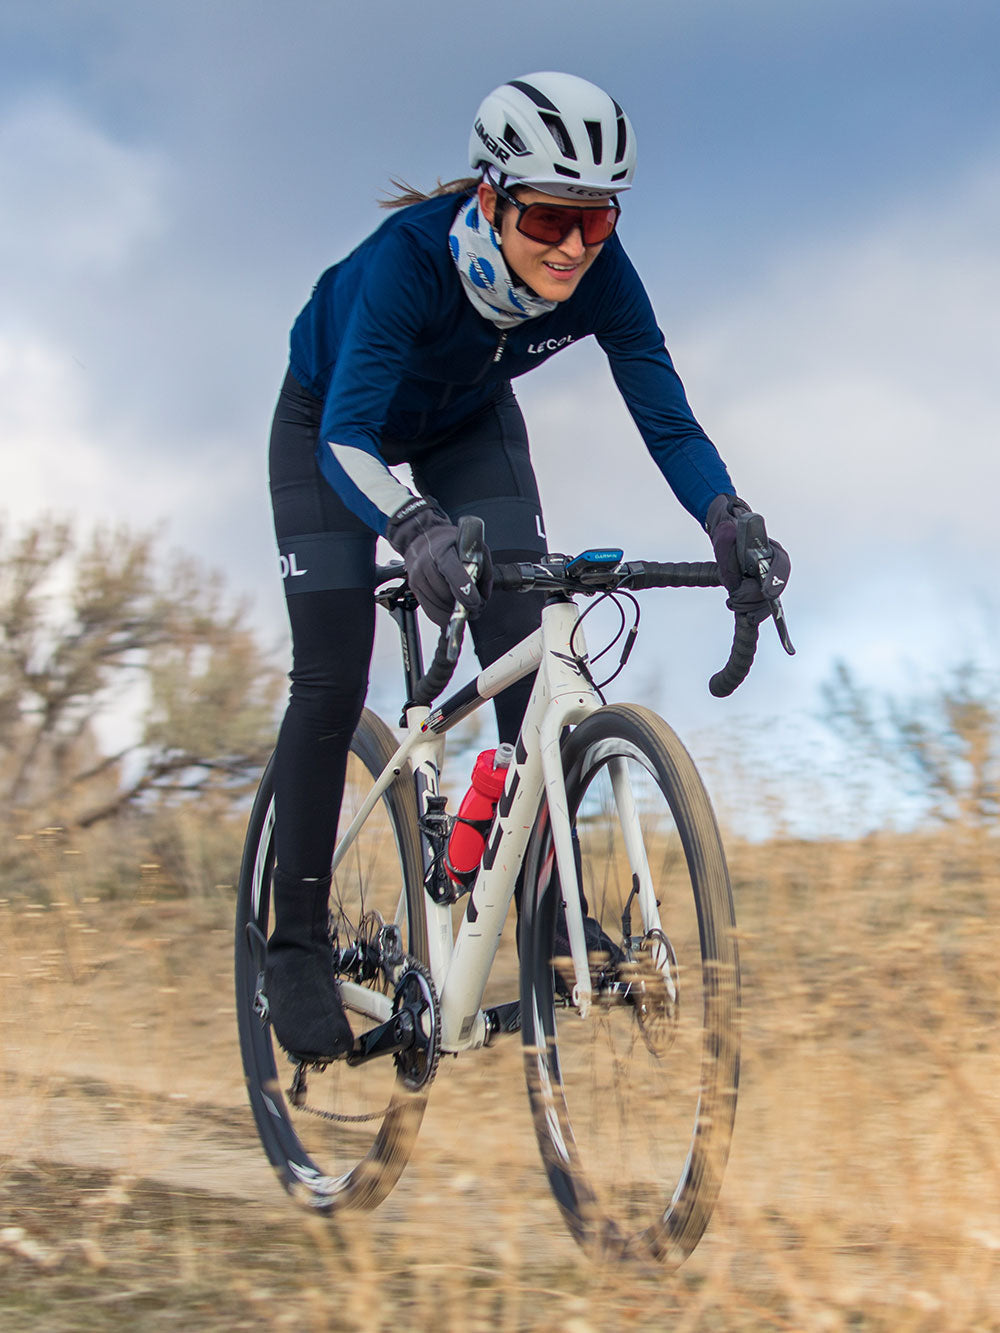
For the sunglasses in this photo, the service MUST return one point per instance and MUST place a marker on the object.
(550, 224)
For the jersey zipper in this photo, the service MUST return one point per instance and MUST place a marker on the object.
(500, 346)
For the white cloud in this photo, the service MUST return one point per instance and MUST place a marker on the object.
(56, 460)
(74, 199)
(859, 381)
(49, 462)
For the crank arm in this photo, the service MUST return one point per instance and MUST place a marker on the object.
(398, 1034)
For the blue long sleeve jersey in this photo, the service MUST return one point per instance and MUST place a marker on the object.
(394, 348)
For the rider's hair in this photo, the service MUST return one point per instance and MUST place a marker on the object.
(406, 194)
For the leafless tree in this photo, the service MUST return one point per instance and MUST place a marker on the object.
(100, 636)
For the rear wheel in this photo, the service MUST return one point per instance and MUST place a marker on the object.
(634, 1103)
(340, 1135)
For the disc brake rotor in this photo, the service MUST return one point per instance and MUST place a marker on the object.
(654, 990)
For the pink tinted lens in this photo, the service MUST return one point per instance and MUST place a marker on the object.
(551, 223)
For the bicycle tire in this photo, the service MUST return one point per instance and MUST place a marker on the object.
(353, 1159)
(633, 1105)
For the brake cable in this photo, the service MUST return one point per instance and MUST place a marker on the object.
(612, 595)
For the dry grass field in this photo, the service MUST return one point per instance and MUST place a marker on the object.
(863, 1192)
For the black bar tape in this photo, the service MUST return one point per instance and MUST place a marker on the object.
(741, 657)
(438, 674)
(675, 574)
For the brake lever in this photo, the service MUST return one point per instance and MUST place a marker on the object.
(471, 539)
(754, 554)
(777, 611)
(456, 625)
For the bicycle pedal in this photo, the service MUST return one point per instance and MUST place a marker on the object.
(257, 945)
(502, 1018)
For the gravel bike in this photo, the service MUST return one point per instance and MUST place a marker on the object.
(629, 994)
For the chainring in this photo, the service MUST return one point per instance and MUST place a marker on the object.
(415, 991)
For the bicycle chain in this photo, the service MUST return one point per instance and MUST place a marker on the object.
(345, 1119)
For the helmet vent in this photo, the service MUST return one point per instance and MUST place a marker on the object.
(514, 140)
(536, 96)
(558, 130)
(622, 138)
(596, 139)
(566, 171)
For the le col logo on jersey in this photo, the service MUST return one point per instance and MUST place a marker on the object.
(290, 568)
(549, 345)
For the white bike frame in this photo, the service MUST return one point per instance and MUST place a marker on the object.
(562, 696)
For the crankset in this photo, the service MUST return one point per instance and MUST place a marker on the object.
(412, 1035)
(416, 997)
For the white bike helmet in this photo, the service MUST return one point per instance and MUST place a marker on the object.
(557, 133)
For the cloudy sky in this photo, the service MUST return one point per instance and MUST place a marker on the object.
(816, 216)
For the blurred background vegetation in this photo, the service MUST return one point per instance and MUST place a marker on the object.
(136, 710)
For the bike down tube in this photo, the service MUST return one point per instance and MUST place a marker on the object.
(463, 1023)
(513, 666)
(561, 696)
(461, 984)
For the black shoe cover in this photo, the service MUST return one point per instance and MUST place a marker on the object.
(306, 1011)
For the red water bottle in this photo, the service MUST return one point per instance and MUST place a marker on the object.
(475, 814)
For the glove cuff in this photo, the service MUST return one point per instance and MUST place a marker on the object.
(723, 507)
(413, 517)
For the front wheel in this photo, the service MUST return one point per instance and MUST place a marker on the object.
(634, 1102)
(338, 1136)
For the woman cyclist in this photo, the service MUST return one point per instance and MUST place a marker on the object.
(405, 353)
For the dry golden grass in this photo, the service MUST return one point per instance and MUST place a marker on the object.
(862, 1192)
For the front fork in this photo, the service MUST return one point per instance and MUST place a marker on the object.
(642, 879)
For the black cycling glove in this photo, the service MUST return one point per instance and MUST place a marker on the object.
(428, 542)
(746, 592)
